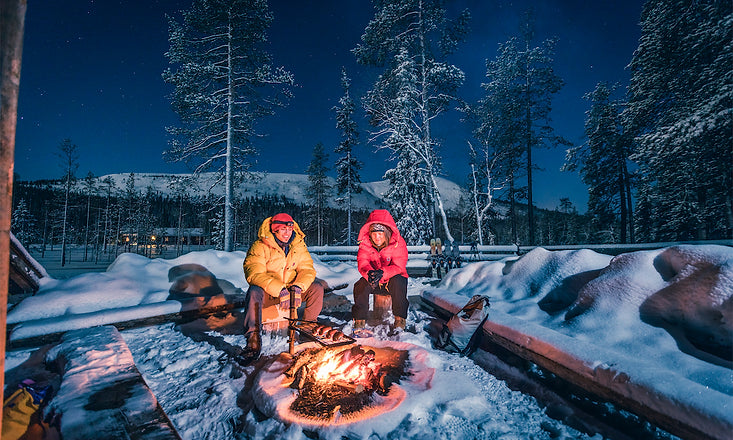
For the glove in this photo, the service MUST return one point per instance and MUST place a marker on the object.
(284, 299)
(374, 276)
(297, 292)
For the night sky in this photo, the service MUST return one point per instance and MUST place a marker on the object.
(92, 73)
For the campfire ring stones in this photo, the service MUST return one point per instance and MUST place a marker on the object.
(273, 396)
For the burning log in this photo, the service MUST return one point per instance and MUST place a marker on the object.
(335, 383)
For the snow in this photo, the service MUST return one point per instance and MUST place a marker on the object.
(604, 312)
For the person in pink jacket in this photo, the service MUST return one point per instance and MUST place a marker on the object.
(382, 263)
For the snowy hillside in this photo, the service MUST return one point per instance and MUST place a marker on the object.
(290, 186)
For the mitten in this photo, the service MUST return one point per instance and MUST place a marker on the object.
(284, 299)
(297, 292)
(374, 276)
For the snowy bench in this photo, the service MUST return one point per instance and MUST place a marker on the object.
(102, 393)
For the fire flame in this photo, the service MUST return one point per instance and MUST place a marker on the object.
(352, 366)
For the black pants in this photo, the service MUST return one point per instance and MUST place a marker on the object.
(396, 288)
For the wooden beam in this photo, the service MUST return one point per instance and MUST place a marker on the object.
(12, 22)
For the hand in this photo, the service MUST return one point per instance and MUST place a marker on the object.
(284, 299)
(297, 293)
(374, 276)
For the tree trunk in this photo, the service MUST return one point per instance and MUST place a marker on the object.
(229, 178)
(63, 226)
(629, 205)
(622, 200)
(86, 231)
(12, 21)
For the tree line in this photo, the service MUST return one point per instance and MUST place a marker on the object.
(101, 217)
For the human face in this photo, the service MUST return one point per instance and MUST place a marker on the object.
(378, 238)
(283, 234)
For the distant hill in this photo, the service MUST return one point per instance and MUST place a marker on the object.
(290, 186)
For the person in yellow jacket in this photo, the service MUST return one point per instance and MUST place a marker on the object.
(277, 264)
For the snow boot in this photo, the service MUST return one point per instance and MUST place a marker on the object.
(254, 344)
(399, 322)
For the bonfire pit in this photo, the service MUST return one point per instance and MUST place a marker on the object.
(330, 386)
(332, 383)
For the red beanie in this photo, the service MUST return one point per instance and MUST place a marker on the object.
(281, 220)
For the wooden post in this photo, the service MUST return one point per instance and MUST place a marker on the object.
(12, 20)
(291, 330)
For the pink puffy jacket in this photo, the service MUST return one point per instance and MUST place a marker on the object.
(392, 259)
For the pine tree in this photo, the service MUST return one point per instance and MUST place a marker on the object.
(497, 119)
(224, 83)
(180, 186)
(678, 111)
(318, 192)
(537, 83)
(347, 167)
(23, 224)
(411, 39)
(603, 163)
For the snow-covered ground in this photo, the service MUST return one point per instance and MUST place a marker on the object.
(642, 307)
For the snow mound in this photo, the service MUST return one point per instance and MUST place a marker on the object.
(136, 287)
(669, 306)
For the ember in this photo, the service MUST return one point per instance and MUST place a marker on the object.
(339, 382)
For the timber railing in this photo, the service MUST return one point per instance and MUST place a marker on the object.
(497, 252)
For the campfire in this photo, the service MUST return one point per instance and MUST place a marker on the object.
(331, 386)
(338, 382)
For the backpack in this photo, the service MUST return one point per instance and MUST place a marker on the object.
(19, 407)
(462, 333)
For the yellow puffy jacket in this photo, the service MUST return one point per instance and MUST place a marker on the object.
(267, 266)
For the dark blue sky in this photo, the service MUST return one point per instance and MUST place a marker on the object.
(92, 73)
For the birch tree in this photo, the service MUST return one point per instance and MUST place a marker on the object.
(224, 83)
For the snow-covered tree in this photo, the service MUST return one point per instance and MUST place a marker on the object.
(411, 40)
(679, 110)
(23, 224)
(347, 167)
(318, 192)
(224, 83)
(68, 155)
(409, 200)
(603, 163)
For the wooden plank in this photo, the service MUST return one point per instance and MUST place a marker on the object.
(117, 403)
(192, 308)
